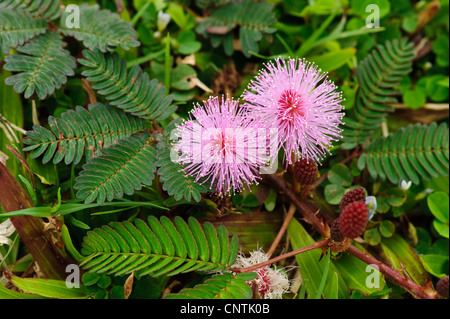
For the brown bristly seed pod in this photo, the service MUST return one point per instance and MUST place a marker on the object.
(355, 195)
(353, 220)
(335, 233)
(442, 287)
(305, 171)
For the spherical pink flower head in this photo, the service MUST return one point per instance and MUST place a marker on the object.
(298, 100)
(218, 143)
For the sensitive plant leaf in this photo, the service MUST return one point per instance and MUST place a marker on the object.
(378, 75)
(121, 169)
(221, 286)
(417, 152)
(132, 91)
(17, 27)
(42, 68)
(100, 29)
(155, 248)
(48, 9)
(254, 19)
(81, 132)
(175, 181)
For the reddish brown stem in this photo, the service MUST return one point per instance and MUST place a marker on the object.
(282, 230)
(308, 215)
(316, 245)
(393, 274)
(311, 218)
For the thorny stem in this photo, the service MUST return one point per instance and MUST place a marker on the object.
(393, 274)
(316, 245)
(310, 217)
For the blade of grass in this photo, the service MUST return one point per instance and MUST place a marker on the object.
(69, 208)
(309, 44)
(140, 13)
(302, 293)
(167, 64)
(285, 45)
(144, 59)
(324, 276)
(69, 245)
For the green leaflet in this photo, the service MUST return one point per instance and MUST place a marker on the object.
(131, 91)
(100, 29)
(222, 286)
(378, 74)
(171, 174)
(419, 151)
(156, 248)
(254, 19)
(121, 169)
(48, 9)
(81, 131)
(42, 68)
(18, 27)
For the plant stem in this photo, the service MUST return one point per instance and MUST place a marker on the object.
(282, 230)
(139, 13)
(310, 217)
(393, 274)
(316, 245)
(144, 59)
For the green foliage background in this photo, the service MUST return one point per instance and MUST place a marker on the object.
(394, 79)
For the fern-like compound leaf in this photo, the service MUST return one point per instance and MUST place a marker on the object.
(378, 75)
(219, 286)
(210, 3)
(42, 68)
(419, 151)
(48, 9)
(131, 91)
(175, 181)
(81, 131)
(121, 169)
(158, 247)
(100, 29)
(254, 19)
(17, 27)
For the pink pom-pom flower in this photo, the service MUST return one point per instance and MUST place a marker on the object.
(297, 99)
(218, 144)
